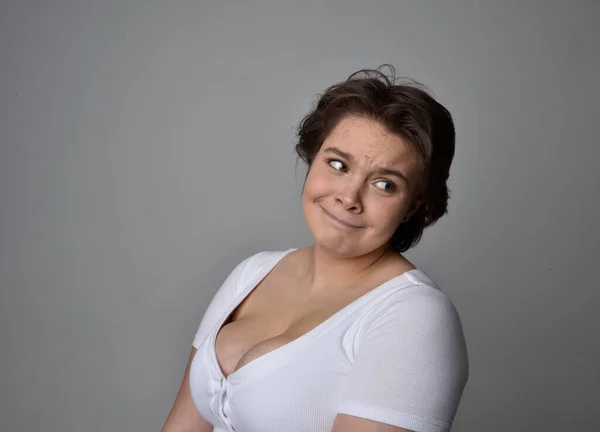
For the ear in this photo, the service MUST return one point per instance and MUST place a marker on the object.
(414, 208)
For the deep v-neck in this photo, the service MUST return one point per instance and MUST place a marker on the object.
(251, 287)
(280, 350)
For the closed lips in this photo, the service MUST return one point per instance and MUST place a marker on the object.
(340, 220)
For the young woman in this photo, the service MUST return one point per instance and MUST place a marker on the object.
(347, 334)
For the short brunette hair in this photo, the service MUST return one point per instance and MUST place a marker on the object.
(406, 109)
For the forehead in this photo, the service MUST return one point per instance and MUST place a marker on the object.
(370, 142)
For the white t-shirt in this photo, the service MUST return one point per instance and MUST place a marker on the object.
(396, 355)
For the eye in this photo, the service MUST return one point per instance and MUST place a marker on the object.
(337, 165)
(387, 186)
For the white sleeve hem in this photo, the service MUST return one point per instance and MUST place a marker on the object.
(394, 418)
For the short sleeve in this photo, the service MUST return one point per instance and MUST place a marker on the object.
(226, 293)
(411, 363)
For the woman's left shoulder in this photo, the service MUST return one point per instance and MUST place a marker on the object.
(416, 293)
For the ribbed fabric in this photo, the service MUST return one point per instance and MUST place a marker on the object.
(396, 355)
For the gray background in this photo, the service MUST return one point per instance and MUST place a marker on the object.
(147, 148)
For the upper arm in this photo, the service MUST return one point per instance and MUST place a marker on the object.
(184, 417)
(410, 366)
(345, 423)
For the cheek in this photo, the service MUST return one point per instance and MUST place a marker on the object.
(309, 193)
(316, 183)
(386, 215)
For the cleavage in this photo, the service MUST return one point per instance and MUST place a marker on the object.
(243, 339)
(265, 321)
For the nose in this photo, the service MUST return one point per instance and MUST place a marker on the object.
(349, 197)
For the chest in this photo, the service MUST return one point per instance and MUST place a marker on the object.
(267, 319)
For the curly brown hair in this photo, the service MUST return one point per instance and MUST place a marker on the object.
(406, 109)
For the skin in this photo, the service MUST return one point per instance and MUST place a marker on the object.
(356, 190)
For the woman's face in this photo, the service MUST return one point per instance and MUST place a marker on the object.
(359, 187)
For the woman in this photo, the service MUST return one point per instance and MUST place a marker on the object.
(345, 335)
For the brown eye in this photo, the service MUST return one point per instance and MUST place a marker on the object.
(387, 186)
(337, 165)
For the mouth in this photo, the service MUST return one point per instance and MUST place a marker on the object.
(339, 222)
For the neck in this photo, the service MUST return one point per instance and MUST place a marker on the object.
(327, 271)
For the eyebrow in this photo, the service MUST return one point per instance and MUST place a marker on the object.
(349, 157)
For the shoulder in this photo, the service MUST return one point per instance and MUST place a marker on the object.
(260, 261)
(251, 267)
(233, 285)
(416, 307)
(415, 290)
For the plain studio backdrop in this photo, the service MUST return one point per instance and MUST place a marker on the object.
(147, 148)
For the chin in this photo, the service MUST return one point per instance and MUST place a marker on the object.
(339, 243)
